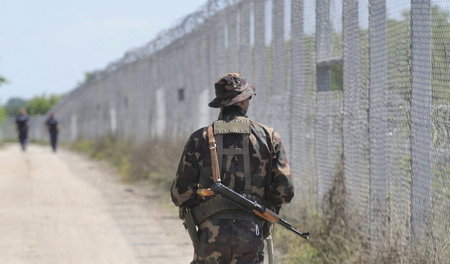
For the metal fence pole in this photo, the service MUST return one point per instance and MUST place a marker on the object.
(421, 124)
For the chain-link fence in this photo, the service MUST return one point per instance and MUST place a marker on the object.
(364, 80)
(37, 129)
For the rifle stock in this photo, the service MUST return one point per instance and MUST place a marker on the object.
(253, 206)
(268, 215)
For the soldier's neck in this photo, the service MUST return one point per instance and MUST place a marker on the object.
(231, 112)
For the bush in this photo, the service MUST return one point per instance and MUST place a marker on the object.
(107, 148)
(334, 238)
(82, 146)
(155, 161)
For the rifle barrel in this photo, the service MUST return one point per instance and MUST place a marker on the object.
(293, 229)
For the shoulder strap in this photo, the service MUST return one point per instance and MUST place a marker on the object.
(214, 160)
(219, 150)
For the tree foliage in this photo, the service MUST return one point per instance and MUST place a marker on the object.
(440, 54)
(2, 80)
(399, 55)
(13, 105)
(40, 105)
(2, 114)
(2, 109)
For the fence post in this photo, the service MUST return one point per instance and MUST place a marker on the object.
(378, 121)
(260, 59)
(355, 128)
(421, 123)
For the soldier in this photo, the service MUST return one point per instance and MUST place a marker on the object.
(22, 127)
(252, 161)
(53, 130)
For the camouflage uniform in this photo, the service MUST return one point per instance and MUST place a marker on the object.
(233, 236)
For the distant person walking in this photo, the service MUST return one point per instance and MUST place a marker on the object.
(22, 127)
(53, 130)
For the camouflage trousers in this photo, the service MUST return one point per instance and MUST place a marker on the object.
(229, 241)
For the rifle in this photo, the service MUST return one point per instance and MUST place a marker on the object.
(238, 199)
(256, 208)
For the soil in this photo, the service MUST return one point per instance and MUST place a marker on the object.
(58, 208)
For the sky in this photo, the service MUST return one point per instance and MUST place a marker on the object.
(47, 46)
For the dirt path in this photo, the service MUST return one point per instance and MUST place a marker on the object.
(62, 208)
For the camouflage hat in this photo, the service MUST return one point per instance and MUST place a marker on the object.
(231, 89)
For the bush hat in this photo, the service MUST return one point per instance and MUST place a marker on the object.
(231, 89)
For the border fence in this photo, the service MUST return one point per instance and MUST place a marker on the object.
(361, 85)
(37, 129)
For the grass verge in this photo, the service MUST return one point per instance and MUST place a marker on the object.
(334, 238)
(154, 161)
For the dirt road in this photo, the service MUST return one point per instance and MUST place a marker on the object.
(62, 208)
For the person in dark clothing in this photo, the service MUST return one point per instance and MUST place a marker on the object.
(53, 130)
(22, 127)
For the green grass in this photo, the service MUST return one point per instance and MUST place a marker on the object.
(334, 237)
(293, 249)
(154, 161)
(116, 153)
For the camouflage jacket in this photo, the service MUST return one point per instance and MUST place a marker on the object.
(267, 159)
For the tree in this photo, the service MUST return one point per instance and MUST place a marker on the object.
(2, 114)
(40, 105)
(2, 109)
(440, 54)
(13, 105)
(88, 76)
(2, 80)
(399, 55)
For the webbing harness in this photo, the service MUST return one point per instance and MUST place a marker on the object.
(215, 137)
(236, 126)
